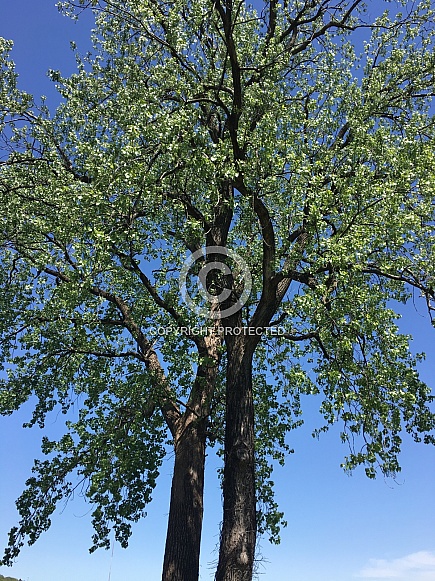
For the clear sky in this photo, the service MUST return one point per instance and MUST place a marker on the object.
(340, 528)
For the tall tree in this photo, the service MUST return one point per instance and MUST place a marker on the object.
(255, 138)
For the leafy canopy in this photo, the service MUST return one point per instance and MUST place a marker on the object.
(325, 158)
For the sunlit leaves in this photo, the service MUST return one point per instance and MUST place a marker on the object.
(103, 201)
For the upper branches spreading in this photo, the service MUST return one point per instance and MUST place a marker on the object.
(207, 123)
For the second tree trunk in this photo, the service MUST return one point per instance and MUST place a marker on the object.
(238, 537)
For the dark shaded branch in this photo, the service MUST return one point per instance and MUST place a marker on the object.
(306, 336)
(68, 165)
(331, 24)
(401, 277)
(234, 117)
(267, 231)
(191, 210)
(271, 27)
(299, 20)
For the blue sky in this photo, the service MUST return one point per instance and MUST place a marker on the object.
(341, 528)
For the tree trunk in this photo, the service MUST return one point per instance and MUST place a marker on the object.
(183, 539)
(238, 536)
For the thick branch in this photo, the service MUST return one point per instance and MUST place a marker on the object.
(170, 411)
(233, 120)
(401, 277)
(190, 208)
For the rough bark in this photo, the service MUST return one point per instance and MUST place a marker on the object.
(238, 536)
(189, 432)
(181, 561)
